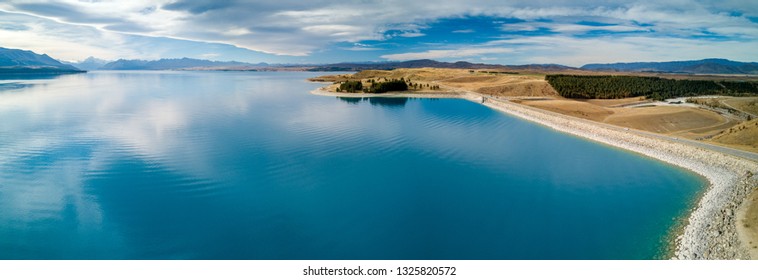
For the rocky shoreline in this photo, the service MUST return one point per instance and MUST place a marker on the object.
(711, 229)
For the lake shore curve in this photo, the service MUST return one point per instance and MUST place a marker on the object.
(711, 231)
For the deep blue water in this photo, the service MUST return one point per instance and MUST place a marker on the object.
(233, 165)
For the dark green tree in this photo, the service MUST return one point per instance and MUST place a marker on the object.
(351, 86)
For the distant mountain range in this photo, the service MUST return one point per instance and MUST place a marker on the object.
(20, 61)
(704, 66)
(90, 63)
(179, 64)
(357, 66)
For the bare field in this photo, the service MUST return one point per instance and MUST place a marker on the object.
(617, 102)
(478, 81)
(506, 85)
(687, 122)
(741, 136)
(665, 119)
(473, 79)
(572, 108)
(530, 88)
(745, 104)
(415, 74)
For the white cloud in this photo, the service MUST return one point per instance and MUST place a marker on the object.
(334, 30)
(521, 27)
(293, 27)
(453, 53)
(69, 43)
(570, 28)
(209, 55)
(361, 49)
(411, 34)
(578, 28)
(573, 51)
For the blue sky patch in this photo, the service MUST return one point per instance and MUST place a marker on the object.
(289, 31)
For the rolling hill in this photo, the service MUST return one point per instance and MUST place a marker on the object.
(20, 61)
(390, 65)
(704, 66)
(179, 64)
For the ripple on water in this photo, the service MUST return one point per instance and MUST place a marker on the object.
(249, 166)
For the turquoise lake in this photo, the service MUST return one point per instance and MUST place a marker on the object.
(246, 165)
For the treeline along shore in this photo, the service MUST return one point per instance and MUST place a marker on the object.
(606, 87)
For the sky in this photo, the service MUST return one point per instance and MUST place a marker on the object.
(571, 33)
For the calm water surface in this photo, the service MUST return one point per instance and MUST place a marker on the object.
(231, 165)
